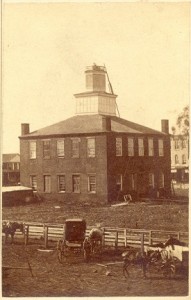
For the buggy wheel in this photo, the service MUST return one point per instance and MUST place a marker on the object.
(168, 269)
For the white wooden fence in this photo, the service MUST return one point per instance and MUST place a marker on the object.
(112, 237)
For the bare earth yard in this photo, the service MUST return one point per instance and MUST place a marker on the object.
(77, 278)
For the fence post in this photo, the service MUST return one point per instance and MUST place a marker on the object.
(45, 236)
(150, 237)
(116, 240)
(178, 235)
(26, 235)
(142, 243)
(103, 237)
(125, 237)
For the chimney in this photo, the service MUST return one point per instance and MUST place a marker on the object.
(106, 123)
(25, 129)
(165, 126)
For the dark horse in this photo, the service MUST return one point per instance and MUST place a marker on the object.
(9, 228)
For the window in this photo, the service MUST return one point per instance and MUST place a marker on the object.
(33, 181)
(130, 142)
(32, 150)
(151, 180)
(161, 147)
(91, 147)
(47, 184)
(76, 183)
(46, 149)
(176, 144)
(183, 143)
(118, 146)
(61, 183)
(60, 148)
(161, 180)
(76, 147)
(150, 147)
(141, 146)
(4, 166)
(183, 159)
(119, 182)
(92, 183)
(176, 159)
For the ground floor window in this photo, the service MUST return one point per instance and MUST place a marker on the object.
(33, 182)
(76, 183)
(92, 183)
(47, 183)
(119, 182)
(161, 180)
(151, 180)
(61, 183)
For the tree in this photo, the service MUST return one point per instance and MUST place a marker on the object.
(183, 121)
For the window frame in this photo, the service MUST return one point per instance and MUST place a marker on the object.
(119, 183)
(151, 179)
(46, 150)
(150, 146)
(75, 141)
(48, 191)
(89, 148)
(118, 146)
(31, 151)
(141, 148)
(161, 180)
(131, 146)
(59, 183)
(32, 182)
(76, 191)
(160, 148)
(58, 150)
(91, 184)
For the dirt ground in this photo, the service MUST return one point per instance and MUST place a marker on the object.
(77, 278)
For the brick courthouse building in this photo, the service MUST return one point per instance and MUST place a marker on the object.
(95, 156)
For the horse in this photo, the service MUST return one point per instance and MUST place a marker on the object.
(134, 256)
(95, 239)
(9, 228)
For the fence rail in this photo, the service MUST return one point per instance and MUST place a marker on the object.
(113, 237)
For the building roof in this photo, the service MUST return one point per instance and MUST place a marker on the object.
(11, 157)
(6, 189)
(90, 124)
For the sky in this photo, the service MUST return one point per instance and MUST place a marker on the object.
(46, 48)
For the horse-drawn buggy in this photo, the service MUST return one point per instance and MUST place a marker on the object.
(76, 242)
(168, 259)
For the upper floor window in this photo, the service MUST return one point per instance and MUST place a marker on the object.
(150, 147)
(75, 147)
(4, 166)
(161, 147)
(46, 149)
(33, 182)
(130, 142)
(47, 184)
(60, 148)
(176, 159)
(141, 146)
(118, 146)
(91, 147)
(92, 183)
(119, 182)
(61, 183)
(183, 159)
(32, 146)
(76, 183)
